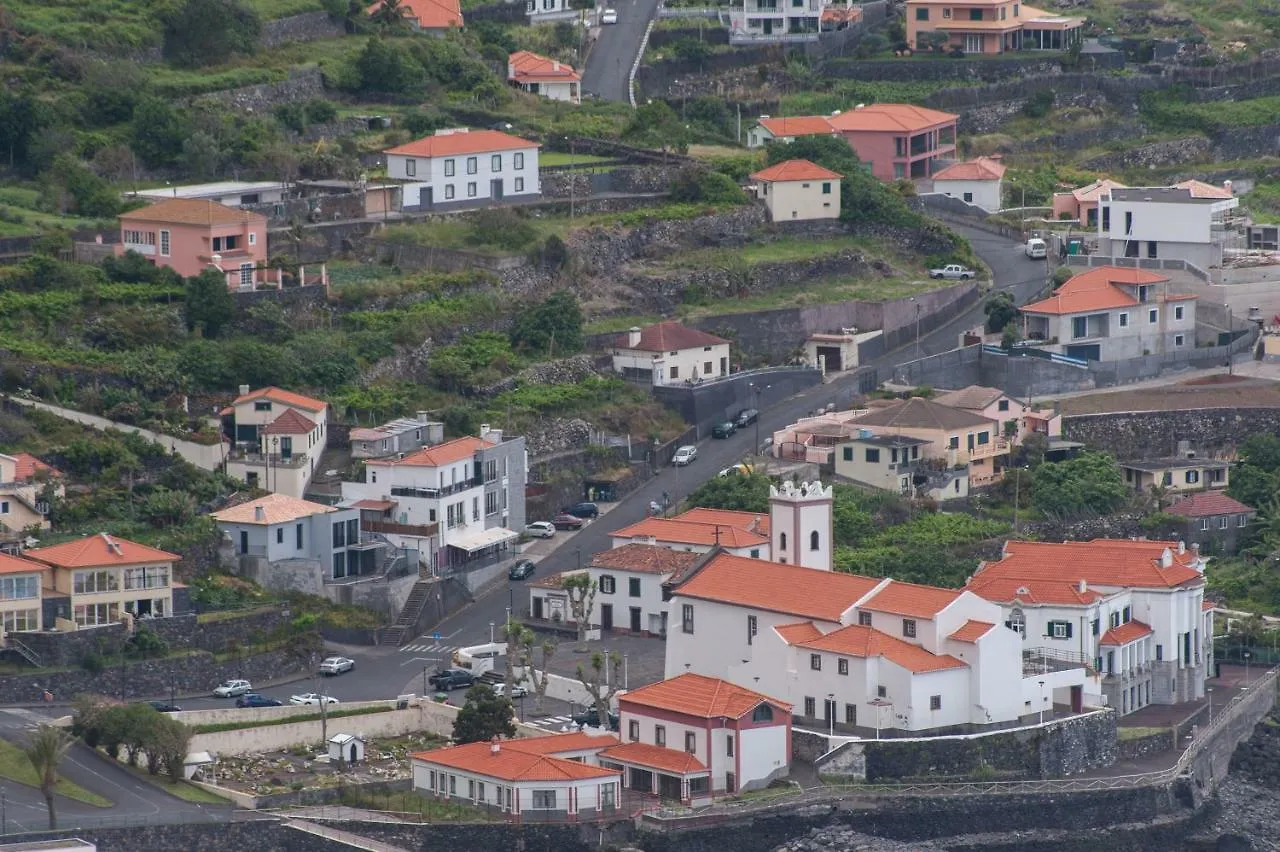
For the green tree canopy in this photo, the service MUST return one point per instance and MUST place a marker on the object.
(740, 492)
(483, 717)
(1089, 484)
(208, 32)
(209, 304)
(1255, 481)
(552, 328)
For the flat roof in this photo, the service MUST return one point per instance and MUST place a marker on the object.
(1177, 464)
(1162, 194)
(205, 190)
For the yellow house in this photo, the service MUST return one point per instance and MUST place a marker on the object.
(279, 437)
(103, 579)
(20, 602)
(798, 190)
(23, 483)
(1176, 475)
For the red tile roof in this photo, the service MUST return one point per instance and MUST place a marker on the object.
(526, 65)
(1200, 189)
(795, 170)
(655, 757)
(461, 142)
(683, 532)
(857, 640)
(27, 466)
(1205, 606)
(1208, 503)
(553, 744)
(1124, 634)
(787, 127)
(972, 631)
(380, 505)
(284, 397)
(1095, 190)
(644, 559)
(911, 599)
(770, 586)
(1096, 290)
(93, 551)
(289, 423)
(756, 522)
(430, 14)
(18, 565)
(276, 509)
(1032, 592)
(670, 337)
(982, 168)
(193, 211)
(512, 763)
(439, 455)
(794, 634)
(698, 695)
(891, 118)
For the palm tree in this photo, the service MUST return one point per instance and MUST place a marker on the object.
(45, 750)
(389, 16)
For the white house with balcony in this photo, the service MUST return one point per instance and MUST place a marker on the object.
(670, 353)
(278, 437)
(1180, 222)
(458, 166)
(764, 21)
(549, 11)
(1132, 610)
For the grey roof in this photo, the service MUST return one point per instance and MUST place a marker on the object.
(890, 441)
(972, 397)
(1174, 464)
(1163, 194)
(918, 413)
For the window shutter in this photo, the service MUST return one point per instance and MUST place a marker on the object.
(1048, 630)
(1068, 623)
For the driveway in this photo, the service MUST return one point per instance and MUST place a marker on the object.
(608, 71)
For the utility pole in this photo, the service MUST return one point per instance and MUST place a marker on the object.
(573, 181)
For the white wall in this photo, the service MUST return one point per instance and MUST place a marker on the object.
(650, 601)
(685, 361)
(1163, 222)
(432, 172)
(761, 752)
(984, 193)
(797, 201)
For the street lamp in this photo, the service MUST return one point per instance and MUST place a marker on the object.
(758, 390)
(1208, 691)
(490, 632)
(625, 679)
(918, 309)
(1041, 702)
(1246, 668)
(831, 716)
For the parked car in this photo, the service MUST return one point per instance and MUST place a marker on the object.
(521, 570)
(733, 470)
(336, 665)
(684, 455)
(583, 510)
(609, 16)
(518, 690)
(232, 688)
(1036, 249)
(565, 521)
(257, 699)
(312, 698)
(591, 719)
(539, 529)
(952, 271)
(164, 707)
(448, 679)
(746, 417)
(723, 430)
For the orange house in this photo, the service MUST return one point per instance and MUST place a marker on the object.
(190, 235)
(428, 14)
(990, 26)
(898, 140)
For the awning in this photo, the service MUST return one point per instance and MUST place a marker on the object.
(480, 539)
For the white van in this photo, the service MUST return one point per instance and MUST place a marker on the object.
(479, 659)
(1036, 249)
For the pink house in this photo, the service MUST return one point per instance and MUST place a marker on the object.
(1082, 204)
(898, 140)
(189, 235)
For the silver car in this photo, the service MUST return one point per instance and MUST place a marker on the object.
(684, 455)
(336, 665)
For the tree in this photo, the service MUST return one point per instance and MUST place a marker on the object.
(208, 32)
(553, 327)
(157, 132)
(209, 304)
(483, 717)
(602, 682)
(1255, 481)
(582, 597)
(698, 185)
(384, 68)
(1000, 310)
(514, 657)
(171, 741)
(1090, 483)
(537, 677)
(389, 16)
(46, 749)
(740, 492)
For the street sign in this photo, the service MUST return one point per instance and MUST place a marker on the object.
(436, 635)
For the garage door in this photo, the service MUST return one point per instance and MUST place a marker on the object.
(1087, 352)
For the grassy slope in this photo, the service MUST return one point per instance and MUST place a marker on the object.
(15, 766)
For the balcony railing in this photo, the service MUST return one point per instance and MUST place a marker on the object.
(140, 248)
(434, 493)
(419, 530)
(271, 459)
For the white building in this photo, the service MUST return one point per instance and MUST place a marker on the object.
(787, 129)
(278, 437)
(1180, 222)
(402, 435)
(798, 190)
(755, 21)
(460, 166)
(539, 75)
(978, 182)
(800, 524)
(549, 11)
(629, 582)
(228, 193)
(670, 353)
(682, 533)
(1134, 610)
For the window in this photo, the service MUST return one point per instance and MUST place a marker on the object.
(1159, 653)
(686, 618)
(659, 735)
(633, 731)
(882, 692)
(847, 453)
(1079, 327)
(253, 238)
(762, 713)
(935, 702)
(873, 456)
(706, 368)
(1124, 319)
(1177, 310)
(471, 189)
(1179, 340)
(1017, 622)
(1204, 523)
(520, 188)
(1222, 522)
(675, 372)
(1015, 10)
(608, 796)
(90, 614)
(1003, 405)
(954, 443)
(1192, 477)
(922, 14)
(810, 706)
(842, 666)
(279, 535)
(246, 274)
(518, 161)
(19, 588)
(728, 745)
(1153, 316)
(946, 13)
(691, 742)
(1003, 12)
(755, 553)
(864, 618)
(984, 438)
(826, 187)
(975, 14)
(1062, 629)
(471, 789)
(448, 168)
(782, 541)
(543, 800)
(479, 791)
(751, 628)
(815, 662)
(297, 534)
(473, 165)
(909, 628)
(340, 534)
(448, 191)
(813, 540)
(491, 503)
(1115, 619)
(226, 243)
(92, 582)
(339, 564)
(968, 197)
(164, 243)
(4, 507)
(495, 163)
(411, 167)
(1242, 520)
(633, 587)
(607, 584)
(1126, 615)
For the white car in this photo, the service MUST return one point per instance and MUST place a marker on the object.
(233, 688)
(609, 16)
(312, 698)
(684, 455)
(540, 529)
(336, 665)
(518, 690)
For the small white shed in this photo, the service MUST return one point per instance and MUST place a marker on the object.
(194, 761)
(346, 748)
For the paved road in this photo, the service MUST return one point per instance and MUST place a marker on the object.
(608, 70)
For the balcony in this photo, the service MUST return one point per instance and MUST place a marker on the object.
(270, 460)
(1038, 661)
(436, 493)
(418, 530)
(141, 248)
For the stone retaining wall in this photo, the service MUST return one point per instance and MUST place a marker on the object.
(301, 85)
(308, 26)
(1149, 434)
(1140, 747)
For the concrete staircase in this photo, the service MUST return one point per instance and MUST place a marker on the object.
(406, 624)
(337, 835)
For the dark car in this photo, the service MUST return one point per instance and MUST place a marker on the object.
(522, 569)
(723, 430)
(164, 707)
(255, 699)
(591, 719)
(582, 510)
(448, 679)
(565, 521)
(746, 417)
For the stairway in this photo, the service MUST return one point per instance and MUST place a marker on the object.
(29, 655)
(406, 624)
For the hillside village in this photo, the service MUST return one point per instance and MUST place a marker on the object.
(570, 426)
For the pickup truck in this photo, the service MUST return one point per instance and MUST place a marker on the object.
(451, 679)
(951, 270)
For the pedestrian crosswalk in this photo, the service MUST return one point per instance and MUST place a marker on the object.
(434, 648)
(551, 723)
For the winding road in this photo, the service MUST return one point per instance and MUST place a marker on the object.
(608, 71)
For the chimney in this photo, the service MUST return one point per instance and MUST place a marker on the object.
(259, 514)
(1182, 546)
(494, 746)
(423, 417)
(633, 337)
(555, 66)
(244, 390)
(1082, 586)
(1226, 184)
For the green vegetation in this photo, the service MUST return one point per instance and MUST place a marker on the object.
(1124, 733)
(219, 727)
(483, 717)
(184, 790)
(1089, 484)
(429, 808)
(825, 96)
(15, 766)
(1173, 110)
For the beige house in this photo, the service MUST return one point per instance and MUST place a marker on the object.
(798, 190)
(20, 602)
(1016, 419)
(1176, 475)
(26, 483)
(279, 437)
(670, 353)
(897, 463)
(101, 579)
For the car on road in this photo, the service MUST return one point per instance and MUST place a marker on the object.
(591, 719)
(521, 570)
(518, 690)
(540, 529)
(684, 455)
(565, 521)
(1036, 249)
(609, 16)
(746, 417)
(257, 699)
(232, 688)
(724, 430)
(952, 271)
(588, 511)
(741, 468)
(164, 707)
(336, 665)
(448, 679)
(312, 698)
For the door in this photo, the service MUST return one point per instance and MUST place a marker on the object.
(353, 753)
(635, 619)
(768, 26)
(606, 616)
(830, 356)
(426, 197)
(495, 189)
(244, 541)
(537, 608)
(973, 43)
(286, 448)
(829, 712)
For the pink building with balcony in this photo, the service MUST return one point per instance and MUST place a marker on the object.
(898, 140)
(191, 235)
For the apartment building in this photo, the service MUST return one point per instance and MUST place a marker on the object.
(894, 463)
(763, 21)
(898, 141)
(278, 438)
(104, 579)
(21, 607)
(1017, 419)
(1184, 474)
(1180, 222)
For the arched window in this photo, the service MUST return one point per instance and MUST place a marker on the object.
(813, 540)
(1018, 622)
(762, 713)
(782, 541)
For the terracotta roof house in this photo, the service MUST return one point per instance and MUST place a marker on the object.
(1010, 412)
(1081, 204)
(898, 141)
(278, 437)
(1213, 522)
(670, 353)
(798, 190)
(26, 483)
(456, 167)
(191, 235)
(978, 182)
(1110, 313)
(539, 75)
(427, 14)
(21, 604)
(104, 579)
(786, 129)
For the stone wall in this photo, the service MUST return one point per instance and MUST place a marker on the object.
(1136, 748)
(709, 34)
(347, 205)
(1192, 149)
(986, 70)
(71, 647)
(1149, 434)
(301, 85)
(703, 405)
(286, 297)
(581, 184)
(217, 636)
(309, 26)
(430, 258)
